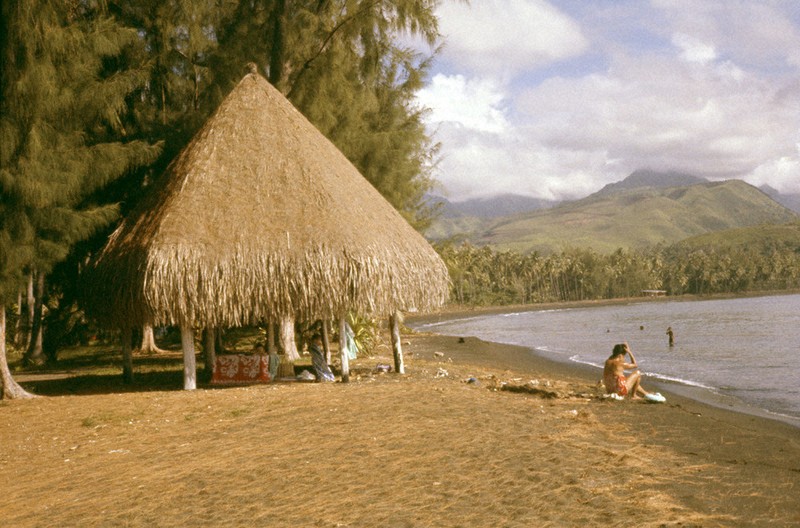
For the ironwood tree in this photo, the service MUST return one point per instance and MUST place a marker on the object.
(62, 136)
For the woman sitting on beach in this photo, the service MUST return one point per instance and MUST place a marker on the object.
(615, 380)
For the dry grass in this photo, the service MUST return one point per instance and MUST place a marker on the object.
(425, 449)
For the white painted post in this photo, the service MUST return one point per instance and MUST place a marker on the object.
(326, 340)
(189, 360)
(397, 347)
(343, 349)
(287, 339)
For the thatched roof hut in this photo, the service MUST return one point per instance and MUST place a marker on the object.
(262, 217)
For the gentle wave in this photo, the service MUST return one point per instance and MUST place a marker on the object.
(744, 349)
(656, 375)
(447, 322)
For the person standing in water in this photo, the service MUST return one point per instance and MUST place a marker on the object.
(615, 380)
(671, 336)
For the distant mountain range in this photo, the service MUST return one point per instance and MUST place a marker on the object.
(494, 207)
(646, 208)
(644, 179)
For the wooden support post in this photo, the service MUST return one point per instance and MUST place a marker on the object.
(326, 340)
(271, 338)
(394, 323)
(127, 354)
(189, 361)
(287, 339)
(343, 349)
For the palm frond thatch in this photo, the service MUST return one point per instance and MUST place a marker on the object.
(261, 216)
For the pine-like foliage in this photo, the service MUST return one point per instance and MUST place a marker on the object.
(61, 127)
(357, 83)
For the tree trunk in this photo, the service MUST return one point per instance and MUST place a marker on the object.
(127, 354)
(35, 355)
(29, 310)
(343, 349)
(209, 352)
(19, 333)
(189, 360)
(219, 345)
(276, 62)
(394, 322)
(287, 339)
(10, 388)
(149, 341)
(270, 338)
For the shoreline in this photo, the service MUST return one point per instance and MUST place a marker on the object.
(701, 395)
(756, 457)
(452, 311)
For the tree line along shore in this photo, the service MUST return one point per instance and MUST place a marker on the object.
(482, 276)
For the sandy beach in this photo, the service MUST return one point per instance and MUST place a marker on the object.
(474, 434)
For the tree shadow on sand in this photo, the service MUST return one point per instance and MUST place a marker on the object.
(98, 370)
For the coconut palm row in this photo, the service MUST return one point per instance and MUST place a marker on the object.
(482, 276)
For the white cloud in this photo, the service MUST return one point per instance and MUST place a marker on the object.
(759, 34)
(475, 104)
(781, 173)
(680, 88)
(693, 50)
(665, 115)
(505, 36)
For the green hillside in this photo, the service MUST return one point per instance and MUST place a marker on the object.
(636, 218)
(760, 236)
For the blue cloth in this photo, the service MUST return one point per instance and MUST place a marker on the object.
(321, 369)
(350, 342)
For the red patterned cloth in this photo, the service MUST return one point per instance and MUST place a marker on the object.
(231, 369)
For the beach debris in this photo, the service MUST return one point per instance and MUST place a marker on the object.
(441, 373)
(529, 389)
(654, 397)
(472, 380)
(383, 367)
(306, 376)
(438, 354)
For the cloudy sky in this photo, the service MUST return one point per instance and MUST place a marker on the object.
(554, 99)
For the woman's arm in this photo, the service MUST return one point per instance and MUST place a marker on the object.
(633, 363)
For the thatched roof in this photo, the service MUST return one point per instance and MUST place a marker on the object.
(261, 216)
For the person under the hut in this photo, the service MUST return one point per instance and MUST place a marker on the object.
(321, 369)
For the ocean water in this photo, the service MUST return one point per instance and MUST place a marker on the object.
(739, 352)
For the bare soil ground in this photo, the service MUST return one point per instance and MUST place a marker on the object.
(444, 445)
